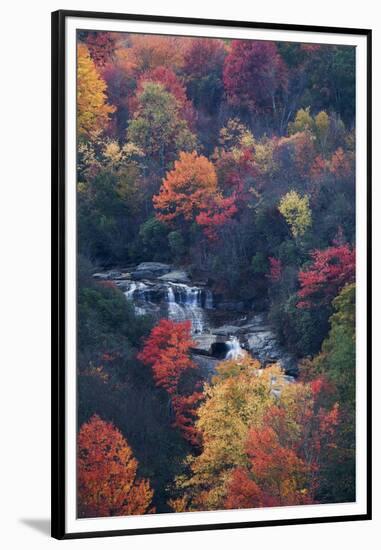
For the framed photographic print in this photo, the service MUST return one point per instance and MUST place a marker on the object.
(211, 274)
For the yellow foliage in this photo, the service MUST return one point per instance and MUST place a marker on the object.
(237, 400)
(92, 108)
(296, 212)
(303, 121)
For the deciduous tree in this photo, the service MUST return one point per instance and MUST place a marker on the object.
(296, 212)
(166, 351)
(254, 74)
(107, 482)
(330, 270)
(93, 111)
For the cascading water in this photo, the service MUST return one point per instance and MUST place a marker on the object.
(137, 290)
(234, 349)
(208, 299)
(184, 303)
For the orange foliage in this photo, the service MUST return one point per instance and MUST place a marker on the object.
(107, 483)
(243, 492)
(151, 51)
(287, 450)
(185, 407)
(186, 188)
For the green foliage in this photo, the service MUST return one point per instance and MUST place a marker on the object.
(281, 152)
(300, 330)
(259, 263)
(338, 358)
(157, 126)
(176, 244)
(152, 240)
(113, 383)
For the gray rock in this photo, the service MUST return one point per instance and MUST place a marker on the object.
(176, 276)
(204, 342)
(150, 270)
(101, 276)
(206, 364)
(230, 305)
(226, 330)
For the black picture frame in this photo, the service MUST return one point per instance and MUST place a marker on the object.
(58, 528)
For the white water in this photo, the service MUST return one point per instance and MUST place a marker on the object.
(184, 303)
(137, 288)
(208, 300)
(234, 349)
(134, 286)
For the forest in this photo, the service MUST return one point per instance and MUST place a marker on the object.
(216, 274)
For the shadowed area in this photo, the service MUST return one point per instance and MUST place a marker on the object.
(41, 525)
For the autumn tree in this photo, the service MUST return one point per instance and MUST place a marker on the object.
(296, 212)
(93, 111)
(101, 46)
(237, 399)
(287, 452)
(254, 74)
(150, 51)
(157, 126)
(202, 69)
(330, 270)
(172, 84)
(186, 188)
(166, 351)
(107, 482)
(336, 363)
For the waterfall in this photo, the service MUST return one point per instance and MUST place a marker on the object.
(135, 287)
(137, 290)
(234, 349)
(184, 303)
(208, 299)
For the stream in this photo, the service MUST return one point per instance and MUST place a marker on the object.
(220, 329)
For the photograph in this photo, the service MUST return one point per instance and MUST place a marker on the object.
(216, 272)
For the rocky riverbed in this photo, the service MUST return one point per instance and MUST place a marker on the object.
(221, 328)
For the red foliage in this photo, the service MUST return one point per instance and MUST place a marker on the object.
(243, 492)
(286, 452)
(166, 351)
(339, 165)
(203, 56)
(330, 271)
(275, 269)
(101, 46)
(185, 407)
(216, 212)
(239, 176)
(107, 483)
(318, 169)
(253, 74)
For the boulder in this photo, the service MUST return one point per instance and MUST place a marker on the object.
(204, 342)
(150, 270)
(101, 276)
(206, 364)
(227, 330)
(176, 276)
